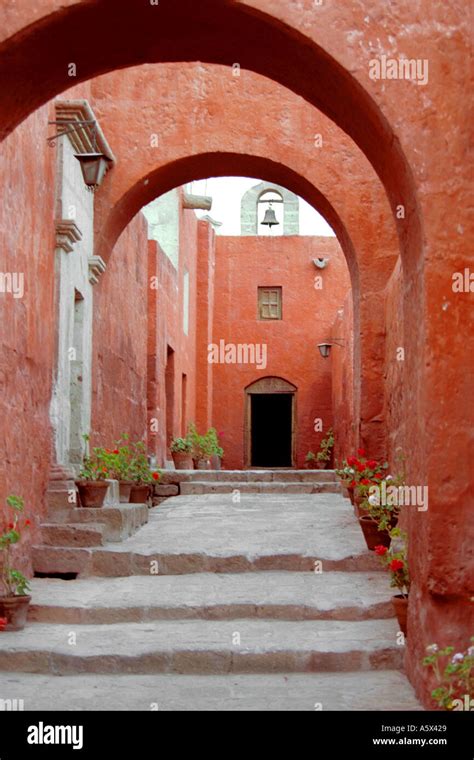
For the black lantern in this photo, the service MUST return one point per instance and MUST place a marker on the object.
(324, 349)
(93, 166)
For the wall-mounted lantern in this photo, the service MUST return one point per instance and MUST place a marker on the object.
(94, 164)
(320, 263)
(325, 348)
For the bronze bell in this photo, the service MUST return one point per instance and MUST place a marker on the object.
(270, 219)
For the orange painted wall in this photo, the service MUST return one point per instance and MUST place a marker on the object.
(243, 263)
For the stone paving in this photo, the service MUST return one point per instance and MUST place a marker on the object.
(272, 602)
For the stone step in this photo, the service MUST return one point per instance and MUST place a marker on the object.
(210, 596)
(202, 646)
(211, 533)
(245, 476)
(73, 534)
(380, 690)
(111, 561)
(209, 487)
(120, 521)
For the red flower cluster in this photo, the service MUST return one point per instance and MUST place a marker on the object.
(396, 564)
(381, 550)
(3, 623)
(156, 476)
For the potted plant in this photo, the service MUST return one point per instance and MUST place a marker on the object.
(91, 482)
(310, 460)
(141, 474)
(14, 600)
(201, 448)
(396, 562)
(181, 451)
(453, 674)
(119, 463)
(217, 452)
(323, 457)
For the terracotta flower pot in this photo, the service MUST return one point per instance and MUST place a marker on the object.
(373, 536)
(125, 489)
(215, 462)
(361, 511)
(351, 494)
(139, 494)
(400, 604)
(202, 464)
(15, 610)
(92, 492)
(321, 465)
(182, 460)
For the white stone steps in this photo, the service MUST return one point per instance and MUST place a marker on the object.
(375, 690)
(201, 646)
(111, 561)
(73, 534)
(278, 595)
(261, 487)
(120, 521)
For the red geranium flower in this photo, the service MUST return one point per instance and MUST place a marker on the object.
(10, 526)
(365, 482)
(156, 476)
(378, 475)
(372, 463)
(361, 452)
(104, 469)
(352, 484)
(360, 467)
(351, 461)
(380, 550)
(116, 451)
(3, 623)
(27, 522)
(396, 564)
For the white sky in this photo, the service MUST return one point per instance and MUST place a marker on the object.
(226, 193)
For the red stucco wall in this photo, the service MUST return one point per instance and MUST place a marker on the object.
(243, 263)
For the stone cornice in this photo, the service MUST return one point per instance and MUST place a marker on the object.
(97, 266)
(67, 234)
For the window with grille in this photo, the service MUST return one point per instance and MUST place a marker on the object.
(269, 303)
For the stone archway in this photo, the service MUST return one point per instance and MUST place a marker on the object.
(270, 389)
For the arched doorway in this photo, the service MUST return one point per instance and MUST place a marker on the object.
(270, 423)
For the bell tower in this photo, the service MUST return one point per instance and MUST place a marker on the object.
(268, 208)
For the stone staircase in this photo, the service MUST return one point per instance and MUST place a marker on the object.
(249, 481)
(213, 604)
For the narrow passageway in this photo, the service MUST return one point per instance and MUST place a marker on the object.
(261, 600)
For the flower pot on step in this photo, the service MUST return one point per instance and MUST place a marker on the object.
(351, 494)
(400, 604)
(320, 465)
(139, 494)
(373, 536)
(125, 489)
(92, 493)
(15, 610)
(361, 511)
(215, 462)
(202, 464)
(182, 460)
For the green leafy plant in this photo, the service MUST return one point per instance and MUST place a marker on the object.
(395, 561)
(453, 673)
(201, 445)
(325, 447)
(139, 470)
(181, 446)
(14, 583)
(213, 441)
(95, 466)
(310, 457)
